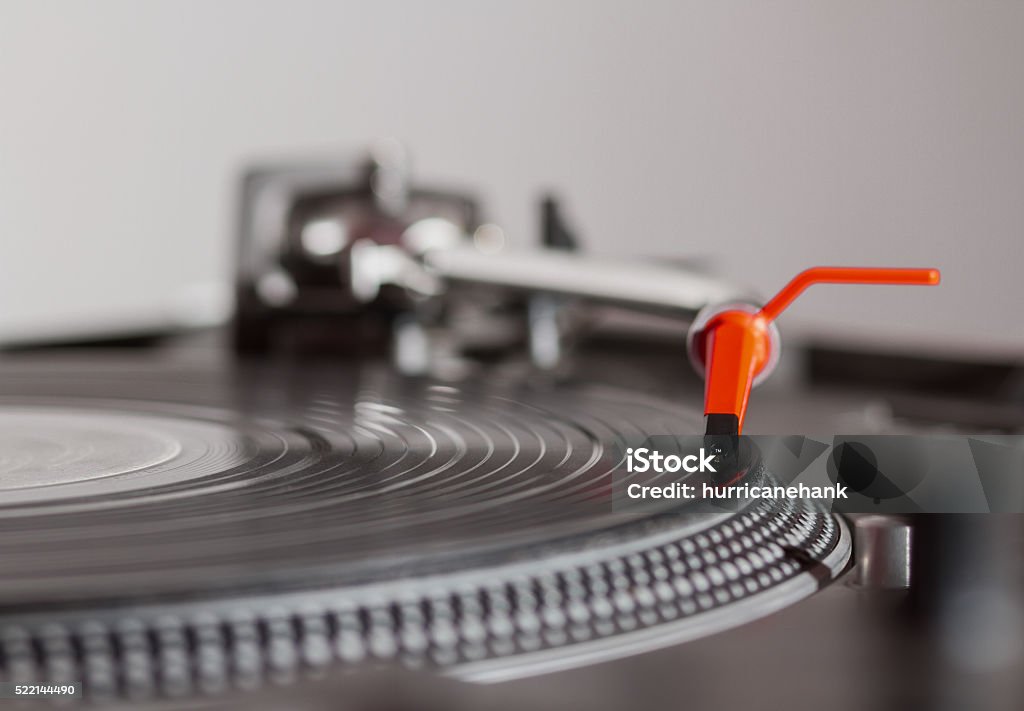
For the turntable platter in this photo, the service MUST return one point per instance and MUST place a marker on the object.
(336, 513)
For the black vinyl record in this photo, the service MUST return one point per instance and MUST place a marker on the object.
(212, 523)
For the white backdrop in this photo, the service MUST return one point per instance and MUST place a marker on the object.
(767, 136)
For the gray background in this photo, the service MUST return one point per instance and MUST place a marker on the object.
(764, 136)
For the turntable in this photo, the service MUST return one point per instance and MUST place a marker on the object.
(404, 464)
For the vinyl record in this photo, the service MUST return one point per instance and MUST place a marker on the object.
(167, 528)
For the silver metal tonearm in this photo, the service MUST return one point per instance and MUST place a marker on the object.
(621, 282)
(446, 254)
(434, 255)
(298, 222)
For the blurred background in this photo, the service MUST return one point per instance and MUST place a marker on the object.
(759, 137)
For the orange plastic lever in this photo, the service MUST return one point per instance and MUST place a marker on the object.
(737, 345)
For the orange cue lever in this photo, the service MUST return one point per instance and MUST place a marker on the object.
(736, 345)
